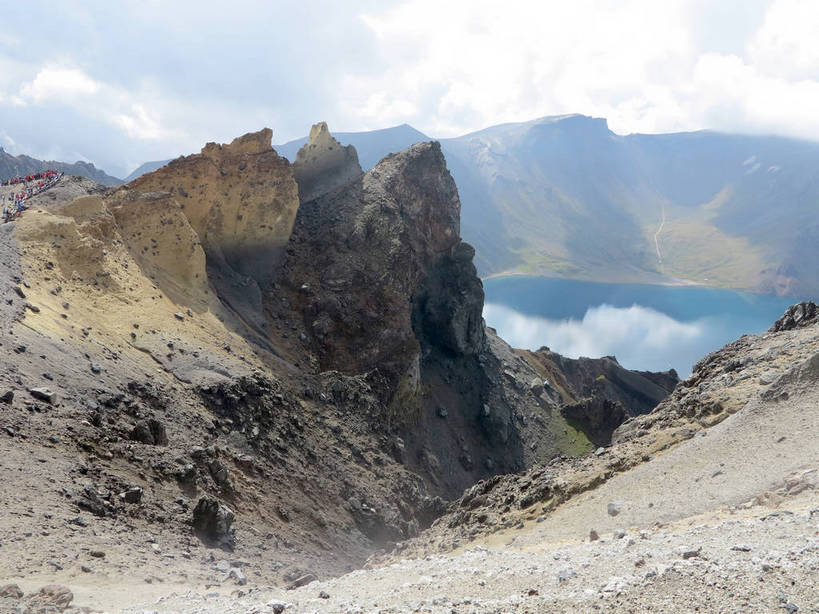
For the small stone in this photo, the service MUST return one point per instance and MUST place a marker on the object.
(19, 292)
(442, 412)
(593, 536)
(690, 553)
(324, 595)
(97, 554)
(614, 507)
(32, 308)
(223, 566)
(565, 575)
(768, 377)
(151, 432)
(741, 548)
(278, 606)
(599, 451)
(43, 394)
(133, 495)
(8, 396)
(85, 569)
(238, 575)
(302, 581)
(619, 533)
(95, 367)
(179, 316)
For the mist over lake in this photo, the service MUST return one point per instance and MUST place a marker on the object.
(646, 327)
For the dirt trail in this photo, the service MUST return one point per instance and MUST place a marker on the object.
(657, 243)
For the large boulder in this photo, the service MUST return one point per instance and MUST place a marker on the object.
(212, 523)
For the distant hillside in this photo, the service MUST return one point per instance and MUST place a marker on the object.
(566, 196)
(15, 166)
(147, 167)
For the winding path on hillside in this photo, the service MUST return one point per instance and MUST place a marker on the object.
(657, 242)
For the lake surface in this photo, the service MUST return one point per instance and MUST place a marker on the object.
(646, 327)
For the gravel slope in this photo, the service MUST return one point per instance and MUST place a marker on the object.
(727, 521)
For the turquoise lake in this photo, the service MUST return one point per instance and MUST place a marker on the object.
(646, 327)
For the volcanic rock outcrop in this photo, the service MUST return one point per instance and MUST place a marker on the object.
(323, 164)
(387, 289)
(239, 198)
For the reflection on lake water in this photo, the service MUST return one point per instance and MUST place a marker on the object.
(647, 327)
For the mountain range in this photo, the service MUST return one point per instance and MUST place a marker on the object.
(17, 166)
(564, 196)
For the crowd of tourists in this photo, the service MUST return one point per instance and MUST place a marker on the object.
(24, 188)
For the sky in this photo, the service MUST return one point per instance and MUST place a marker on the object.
(121, 83)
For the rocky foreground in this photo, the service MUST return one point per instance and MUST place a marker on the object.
(727, 520)
(236, 378)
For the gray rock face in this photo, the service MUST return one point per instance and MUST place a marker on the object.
(797, 316)
(212, 523)
(449, 304)
(389, 292)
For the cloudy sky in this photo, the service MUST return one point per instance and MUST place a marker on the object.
(119, 83)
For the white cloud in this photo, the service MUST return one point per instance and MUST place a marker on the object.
(135, 113)
(461, 65)
(140, 123)
(57, 83)
(785, 46)
(640, 337)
